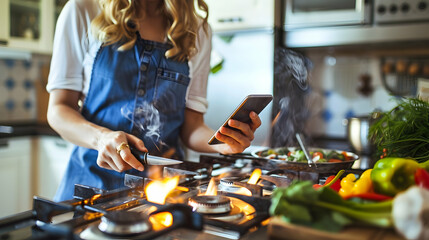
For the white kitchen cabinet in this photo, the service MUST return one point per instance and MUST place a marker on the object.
(16, 175)
(4, 15)
(29, 24)
(227, 15)
(53, 156)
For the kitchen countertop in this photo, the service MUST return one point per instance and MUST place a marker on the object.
(20, 129)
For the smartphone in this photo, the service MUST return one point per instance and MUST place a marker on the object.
(253, 102)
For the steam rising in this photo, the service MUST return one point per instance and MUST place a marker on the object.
(146, 118)
(291, 71)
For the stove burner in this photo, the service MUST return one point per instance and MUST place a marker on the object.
(229, 181)
(123, 223)
(210, 204)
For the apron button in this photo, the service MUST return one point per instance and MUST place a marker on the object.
(140, 92)
(143, 67)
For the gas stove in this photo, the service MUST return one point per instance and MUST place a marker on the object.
(220, 197)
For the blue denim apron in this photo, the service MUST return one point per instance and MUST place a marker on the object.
(138, 91)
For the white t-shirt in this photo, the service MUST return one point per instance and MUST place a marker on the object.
(75, 48)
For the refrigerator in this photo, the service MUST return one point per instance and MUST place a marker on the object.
(244, 65)
(241, 61)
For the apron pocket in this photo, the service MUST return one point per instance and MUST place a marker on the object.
(170, 91)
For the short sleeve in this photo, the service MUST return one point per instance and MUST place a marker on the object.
(199, 66)
(69, 48)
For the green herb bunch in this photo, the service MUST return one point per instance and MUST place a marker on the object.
(403, 131)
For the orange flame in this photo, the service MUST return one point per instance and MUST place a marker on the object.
(254, 177)
(256, 174)
(161, 220)
(211, 188)
(158, 190)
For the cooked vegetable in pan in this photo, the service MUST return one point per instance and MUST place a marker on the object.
(297, 155)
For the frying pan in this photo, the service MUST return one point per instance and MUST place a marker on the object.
(303, 166)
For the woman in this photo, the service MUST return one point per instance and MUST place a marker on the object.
(132, 73)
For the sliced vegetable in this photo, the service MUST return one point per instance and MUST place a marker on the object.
(318, 154)
(297, 155)
(335, 160)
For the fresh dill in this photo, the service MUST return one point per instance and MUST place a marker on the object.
(403, 131)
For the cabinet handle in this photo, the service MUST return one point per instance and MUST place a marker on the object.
(231, 20)
(3, 42)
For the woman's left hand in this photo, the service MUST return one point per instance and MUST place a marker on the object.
(239, 135)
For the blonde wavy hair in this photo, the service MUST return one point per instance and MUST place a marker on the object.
(118, 23)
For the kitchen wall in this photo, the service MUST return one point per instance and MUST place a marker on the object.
(334, 94)
(21, 85)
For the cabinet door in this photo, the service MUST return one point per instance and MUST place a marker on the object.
(227, 15)
(15, 176)
(4, 16)
(53, 155)
(31, 25)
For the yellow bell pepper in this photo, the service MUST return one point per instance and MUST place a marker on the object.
(351, 186)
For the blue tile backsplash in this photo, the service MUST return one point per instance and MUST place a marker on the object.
(18, 95)
(335, 92)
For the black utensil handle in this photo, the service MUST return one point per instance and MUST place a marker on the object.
(141, 156)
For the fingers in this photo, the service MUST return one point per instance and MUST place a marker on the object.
(114, 152)
(129, 158)
(239, 140)
(256, 121)
(137, 142)
(242, 137)
(110, 159)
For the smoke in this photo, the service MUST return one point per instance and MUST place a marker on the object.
(146, 118)
(291, 71)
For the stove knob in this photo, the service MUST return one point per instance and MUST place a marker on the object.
(405, 7)
(422, 5)
(381, 9)
(393, 8)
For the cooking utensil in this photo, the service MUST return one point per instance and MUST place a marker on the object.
(307, 155)
(357, 134)
(147, 159)
(303, 166)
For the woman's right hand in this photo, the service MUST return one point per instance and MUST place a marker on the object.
(65, 118)
(110, 158)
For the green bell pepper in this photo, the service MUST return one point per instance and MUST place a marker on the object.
(392, 175)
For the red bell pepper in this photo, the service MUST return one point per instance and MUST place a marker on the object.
(332, 182)
(421, 177)
(335, 185)
(369, 196)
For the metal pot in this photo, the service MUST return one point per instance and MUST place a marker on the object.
(357, 134)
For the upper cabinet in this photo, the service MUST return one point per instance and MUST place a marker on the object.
(29, 24)
(4, 15)
(231, 15)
